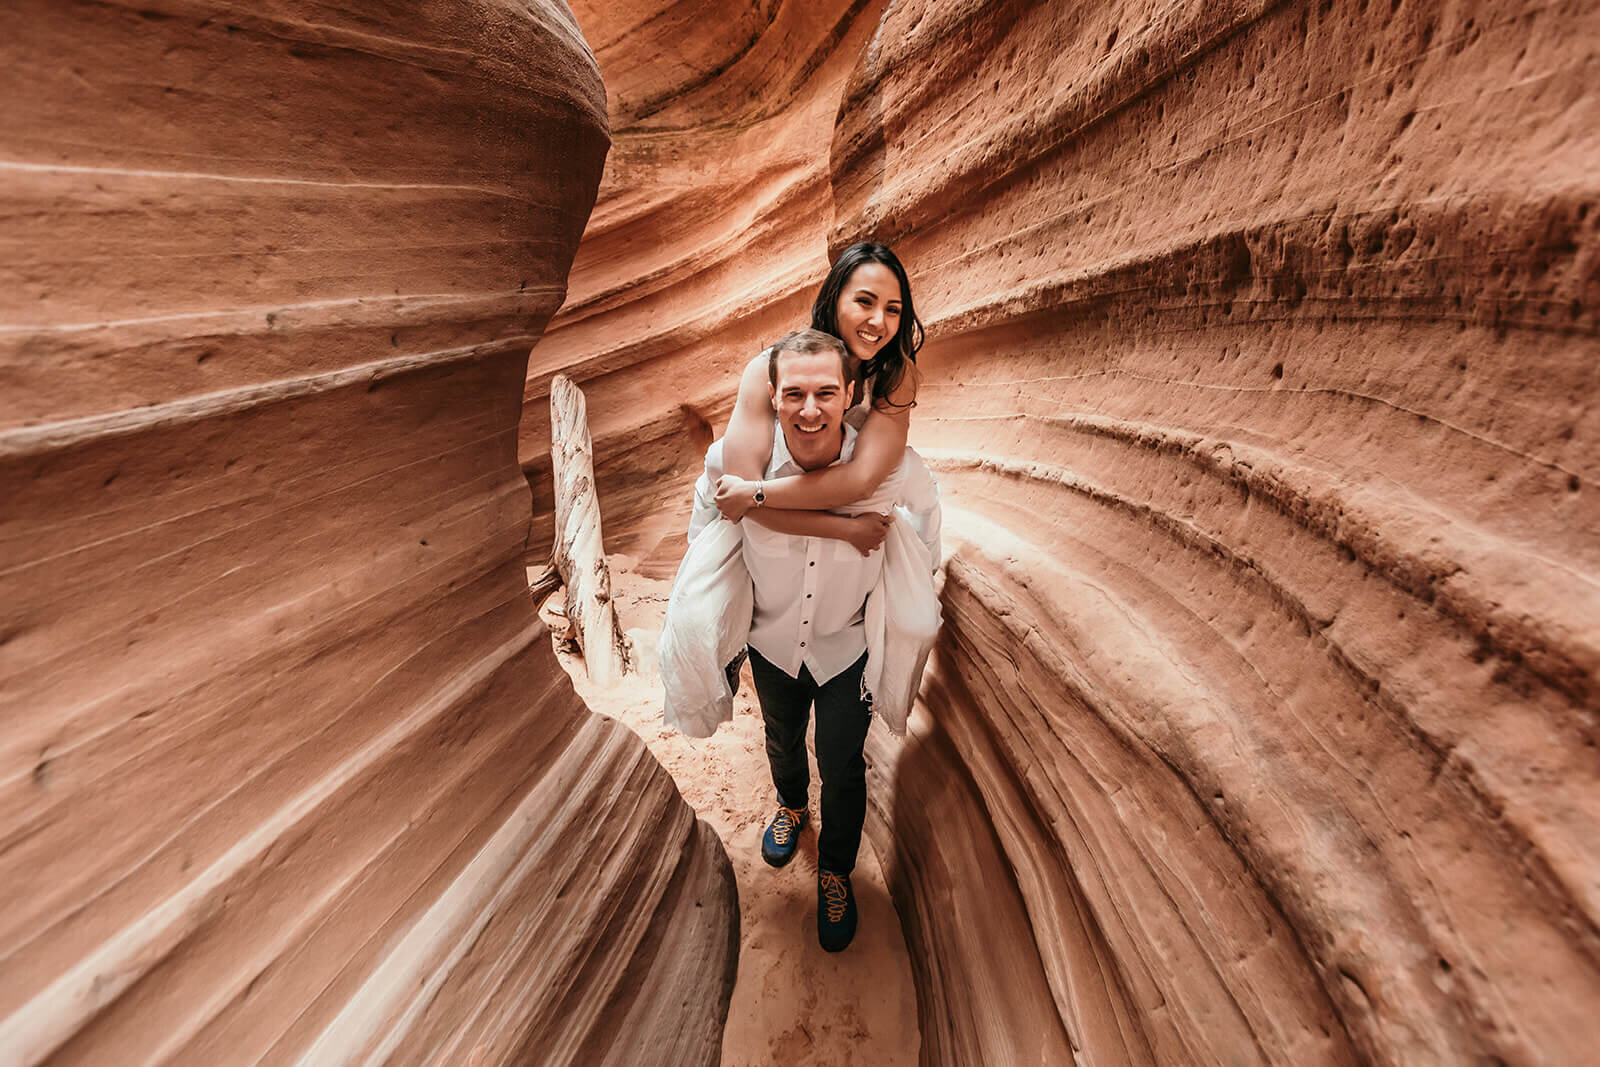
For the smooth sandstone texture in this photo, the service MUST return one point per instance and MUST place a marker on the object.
(1264, 352)
(1264, 339)
(708, 240)
(288, 771)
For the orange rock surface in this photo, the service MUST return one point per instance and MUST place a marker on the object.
(707, 241)
(1263, 348)
(288, 770)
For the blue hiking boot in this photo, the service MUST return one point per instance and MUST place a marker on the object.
(836, 911)
(782, 836)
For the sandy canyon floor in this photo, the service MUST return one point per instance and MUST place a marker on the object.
(793, 1003)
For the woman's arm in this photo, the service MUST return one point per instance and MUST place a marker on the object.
(866, 531)
(879, 449)
(747, 446)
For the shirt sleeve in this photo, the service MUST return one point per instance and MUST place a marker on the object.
(705, 493)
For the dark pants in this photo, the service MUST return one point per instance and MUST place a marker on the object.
(842, 721)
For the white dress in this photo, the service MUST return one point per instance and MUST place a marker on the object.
(708, 616)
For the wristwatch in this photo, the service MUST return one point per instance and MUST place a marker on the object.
(760, 497)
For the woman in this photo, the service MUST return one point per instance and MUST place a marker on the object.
(866, 302)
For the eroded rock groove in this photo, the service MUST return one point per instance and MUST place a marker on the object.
(288, 771)
(1260, 388)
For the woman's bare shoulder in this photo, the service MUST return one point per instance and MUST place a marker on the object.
(754, 380)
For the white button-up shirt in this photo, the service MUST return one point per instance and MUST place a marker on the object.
(811, 592)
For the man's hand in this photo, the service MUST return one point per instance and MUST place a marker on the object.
(868, 531)
(735, 496)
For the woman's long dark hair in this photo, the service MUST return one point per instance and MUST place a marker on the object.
(889, 367)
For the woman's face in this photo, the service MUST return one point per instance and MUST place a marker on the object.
(869, 310)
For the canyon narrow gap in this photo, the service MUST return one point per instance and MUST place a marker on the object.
(792, 1003)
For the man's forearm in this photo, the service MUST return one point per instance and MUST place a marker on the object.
(802, 523)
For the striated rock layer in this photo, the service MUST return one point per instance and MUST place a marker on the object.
(287, 768)
(1263, 349)
(1262, 375)
(708, 239)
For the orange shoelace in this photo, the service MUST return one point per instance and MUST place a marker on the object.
(833, 888)
(785, 823)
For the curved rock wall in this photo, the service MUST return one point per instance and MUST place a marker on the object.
(287, 767)
(708, 239)
(1263, 342)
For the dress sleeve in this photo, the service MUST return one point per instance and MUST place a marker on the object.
(705, 491)
(919, 495)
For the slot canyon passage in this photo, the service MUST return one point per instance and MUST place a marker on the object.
(1259, 384)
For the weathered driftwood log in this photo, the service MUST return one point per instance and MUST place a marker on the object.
(545, 585)
(579, 551)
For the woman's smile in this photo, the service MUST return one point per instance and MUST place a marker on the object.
(869, 310)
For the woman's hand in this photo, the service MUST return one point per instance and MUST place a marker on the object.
(735, 496)
(868, 531)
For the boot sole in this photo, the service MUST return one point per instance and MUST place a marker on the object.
(837, 948)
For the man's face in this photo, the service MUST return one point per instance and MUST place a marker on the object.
(810, 401)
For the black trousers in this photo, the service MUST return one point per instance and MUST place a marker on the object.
(842, 721)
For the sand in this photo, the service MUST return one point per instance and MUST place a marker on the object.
(793, 1003)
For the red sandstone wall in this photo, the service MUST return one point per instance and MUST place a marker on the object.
(287, 767)
(1259, 377)
(708, 239)
(1263, 343)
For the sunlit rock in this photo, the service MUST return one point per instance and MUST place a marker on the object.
(288, 770)
(1263, 343)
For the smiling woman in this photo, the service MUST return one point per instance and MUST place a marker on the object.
(868, 310)
(865, 301)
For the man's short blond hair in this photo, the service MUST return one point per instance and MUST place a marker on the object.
(805, 342)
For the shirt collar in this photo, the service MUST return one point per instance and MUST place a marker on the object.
(783, 463)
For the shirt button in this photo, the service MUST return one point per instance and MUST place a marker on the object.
(813, 563)
(808, 596)
(802, 644)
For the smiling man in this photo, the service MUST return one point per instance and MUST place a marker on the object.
(807, 639)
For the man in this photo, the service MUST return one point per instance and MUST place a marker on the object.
(807, 640)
